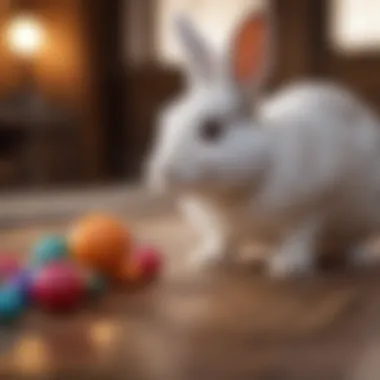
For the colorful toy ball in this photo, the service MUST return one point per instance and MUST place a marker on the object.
(58, 287)
(149, 260)
(9, 265)
(129, 273)
(12, 303)
(49, 249)
(142, 267)
(100, 243)
(23, 281)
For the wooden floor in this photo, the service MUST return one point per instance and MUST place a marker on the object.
(227, 324)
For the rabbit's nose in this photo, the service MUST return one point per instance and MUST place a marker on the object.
(170, 173)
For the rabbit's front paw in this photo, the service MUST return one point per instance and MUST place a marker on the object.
(297, 255)
(291, 263)
(211, 253)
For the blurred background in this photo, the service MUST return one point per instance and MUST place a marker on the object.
(81, 81)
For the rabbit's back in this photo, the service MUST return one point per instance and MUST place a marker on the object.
(321, 131)
(310, 102)
(325, 148)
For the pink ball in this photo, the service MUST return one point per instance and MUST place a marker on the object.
(9, 266)
(58, 287)
(149, 260)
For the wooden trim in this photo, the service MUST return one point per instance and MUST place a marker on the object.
(93, 135)
(298, 43)
(105, 35)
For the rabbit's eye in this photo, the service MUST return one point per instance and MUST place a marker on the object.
(212, 131)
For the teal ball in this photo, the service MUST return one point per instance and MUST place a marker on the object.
(50, 249)
(12, 303)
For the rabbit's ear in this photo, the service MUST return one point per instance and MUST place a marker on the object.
(200, 60)
(250, 54)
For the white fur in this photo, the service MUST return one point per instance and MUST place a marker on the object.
(302, 174)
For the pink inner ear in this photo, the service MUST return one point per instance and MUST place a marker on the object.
(250, 48)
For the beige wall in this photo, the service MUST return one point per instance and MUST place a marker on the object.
(215, 19)
(355, 25)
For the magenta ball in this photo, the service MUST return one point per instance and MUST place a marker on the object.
(149, 259)
(58, 287)
(9, 266)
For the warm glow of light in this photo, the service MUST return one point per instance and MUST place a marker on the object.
(104, 334)
(25, 36)
(30, 356)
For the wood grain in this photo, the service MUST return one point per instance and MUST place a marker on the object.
(230, 323)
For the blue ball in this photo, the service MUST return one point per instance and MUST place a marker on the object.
(12, 303)
(23, 281)
(48, 250)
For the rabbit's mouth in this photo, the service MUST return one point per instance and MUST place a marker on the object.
(178, 177)
(164, 180)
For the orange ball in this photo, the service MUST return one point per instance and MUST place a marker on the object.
(100, 242)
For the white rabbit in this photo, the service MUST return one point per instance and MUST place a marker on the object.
(298, 171)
